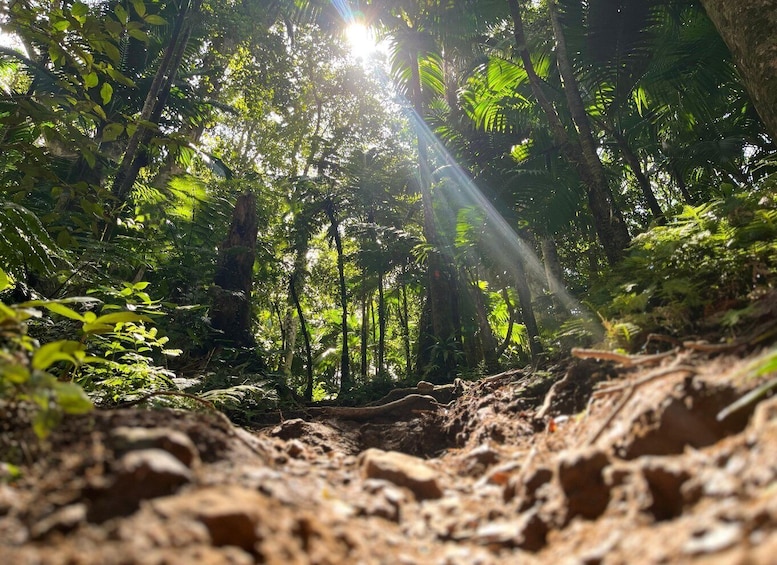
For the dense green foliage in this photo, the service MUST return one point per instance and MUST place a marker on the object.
(440, 206)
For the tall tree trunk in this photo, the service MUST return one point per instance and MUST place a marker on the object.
(679, 179)
(636, 169)
(527, 310)
(403, 319)
(487, 339)
(308, 350)
(231, 308)
(609, 222)
(610, 228)
(364, 338)
(510, 324)
(553, 272)
(136, 154)
(346, 382)
(747, 27)
(381, 328)
(442, 293)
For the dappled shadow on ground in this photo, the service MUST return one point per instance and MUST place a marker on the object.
(587, 462)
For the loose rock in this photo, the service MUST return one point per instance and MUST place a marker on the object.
(402, 470)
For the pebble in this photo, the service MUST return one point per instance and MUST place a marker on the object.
(581, 478)
(174, 442)
(230, 514)
(402, 470)
(64, 520)
(720, 537)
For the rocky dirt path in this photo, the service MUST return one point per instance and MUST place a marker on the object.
(610, 464)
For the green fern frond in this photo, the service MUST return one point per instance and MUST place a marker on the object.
(24, 242)
(234, 396)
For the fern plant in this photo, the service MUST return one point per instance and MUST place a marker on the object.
(24, 243)
(703, 265)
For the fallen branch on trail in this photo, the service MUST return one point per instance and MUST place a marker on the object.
(407, 405)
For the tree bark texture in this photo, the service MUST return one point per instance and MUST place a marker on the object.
(135, 156)
(527, 310)
(231, 308)
(748, 28)
(554, 275)
(442, 284)
(610, 227)
(308, 350)
(346, 382)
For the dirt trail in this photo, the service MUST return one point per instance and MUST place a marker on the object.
(587, 463)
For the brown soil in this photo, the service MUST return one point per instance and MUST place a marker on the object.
(586, 463)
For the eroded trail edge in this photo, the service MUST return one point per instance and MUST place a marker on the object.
(591, 462)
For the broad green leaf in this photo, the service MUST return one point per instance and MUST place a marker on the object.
(97, 109)
(61, 25)
(63, 310)
(155, 20)
(106, 92)
(4, 280)
(111, 50)
(44, 422)
(140, 7)
(79, 11)
(142, 285)
(89, 157)
(50, 353)
(112, 131)
(138, 34)
(15, 373)
(121, 13)
(118, 77)
(71, 398)
(119, 317)
(95, 329)
(89, 317)
(91, 80)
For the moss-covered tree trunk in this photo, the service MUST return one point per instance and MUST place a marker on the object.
(231, 308)
(748, 28)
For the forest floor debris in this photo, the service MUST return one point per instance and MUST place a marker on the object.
(589, 462)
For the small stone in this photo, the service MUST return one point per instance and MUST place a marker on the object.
(580, 474)
(483, 454)
(402, 470)
(528, 533)
(291, 429)
(176, 443)
(295, 449)
(721, 537)
(9, 497)
(526, 488)
(765, 414)
(665, 482)
(230, 514)
(64, 520)
(153, 466)
(140, 475)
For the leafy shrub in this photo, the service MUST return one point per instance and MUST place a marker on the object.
(26, 368)
(708, 261)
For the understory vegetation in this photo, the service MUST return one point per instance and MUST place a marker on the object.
(229, 204)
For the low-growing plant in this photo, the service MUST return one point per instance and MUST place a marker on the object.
(26, 368)
(707, 262)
